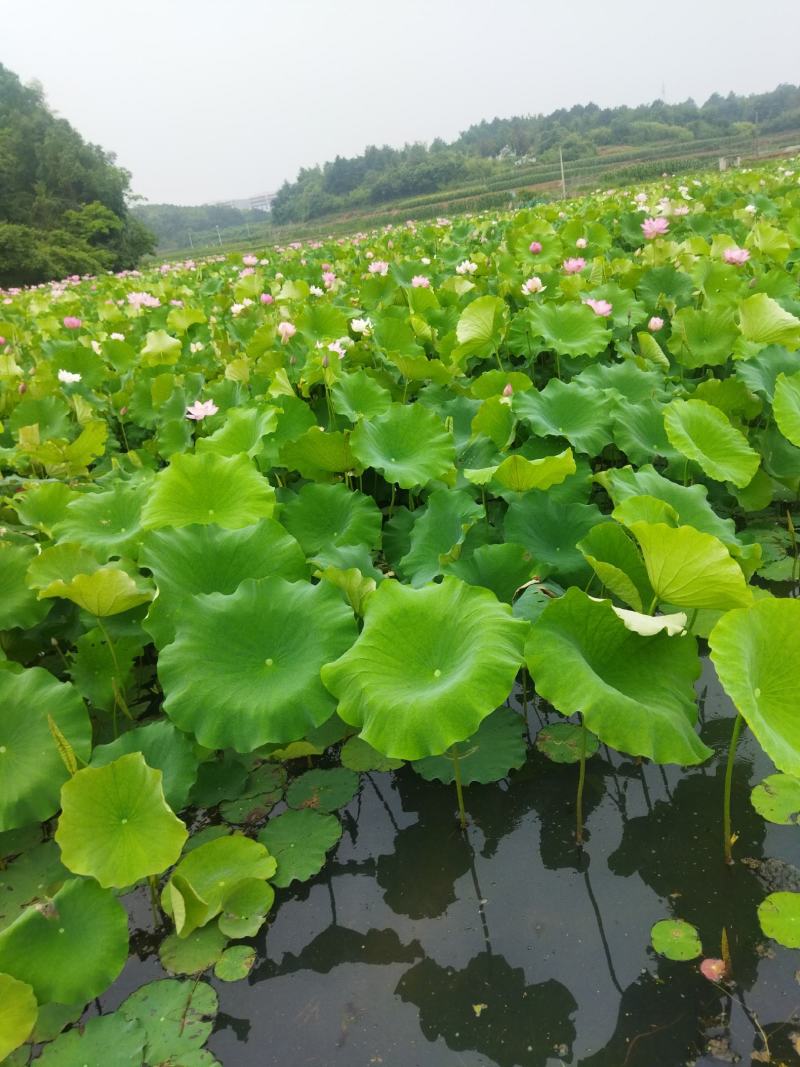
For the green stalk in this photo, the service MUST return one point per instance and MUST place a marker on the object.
(726, 809)
(581, 781)
(462, 815)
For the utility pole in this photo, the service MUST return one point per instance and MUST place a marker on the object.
(219, 236)
(563, 179)
(191, 242)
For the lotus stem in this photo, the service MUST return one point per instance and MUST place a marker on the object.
(151, 881)
(653, 605)
(581, 781)
(726, 810)
(462, 815)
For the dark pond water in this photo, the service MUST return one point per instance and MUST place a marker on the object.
(419, 947)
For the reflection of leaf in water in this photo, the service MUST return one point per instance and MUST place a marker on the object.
(419, 876)
(338, 945)
(517, 1024)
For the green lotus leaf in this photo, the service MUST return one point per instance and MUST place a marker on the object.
(676, 939)
(690, 569)
(19, 605)
(438, 534)
(106, 591)
(320, 516)
(193, 954)
(207, 488)
(500, 568)
(518, 474)
(219, 779)
(639, 431)
(43, 504)
(428, 667)
(210, 559)
(102, 672)
(777, 799)
(764, 321)
(52, 1020)
(264, 686)
(159, 348)
(322, 790)
(757, 657)
(570, 329)
(703, 337)
(358, 396)
(357, 755)
(246, 907)
(212, 872)
(779, 916)
(57, 565)
(409, 445)
(177, 1016)
(481, 327)
(495, 420)
(31, 769)
(115, 824)
(618, 564)
(645, 508)
(106, 523)
(497, 747)
(18, 1011)
(563, 742)
(71, 948)
(352, 583)
(100, 1038)
(635, 693)
(235, 963)
(568, 410)
(550, 531)
(318, 453)
(34, 875)
(703, 434)
(243, 431)
(786, 406)
(165, 749)
(299, 841)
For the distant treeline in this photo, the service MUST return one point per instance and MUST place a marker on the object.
(63, 202)
(173, 224)
(381, 175)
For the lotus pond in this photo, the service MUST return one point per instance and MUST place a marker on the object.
(399, 646)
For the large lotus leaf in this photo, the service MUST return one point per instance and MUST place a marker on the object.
(32, 876)
(764, 321)
(481, 327)
(106, 591)
(645, 509)
(246, 907)
(299, 841)
(18, 1011)
(409, 445)
(570, 329)
(760, 373)
(100, 671)
(690, 569)
(786, 406)
(31, 769)
(57, 565)
(243, 431)
(106, 1036)
(19, 605)
(207, 488)
(107, 523)
(165, 749)
(518, 474)
(320, 516)
(52, 1020)
(115, 824)
(43, 504)
(243, 670)
(496, 421)
(703, 336)
(757, 656)
(212, 872)
(318, 453)
(71, 948)
(779, 916)
(618, 564)
(703, 433)
(439, 533)
(777, 799)
(581, 414)
(210, 559)
(639, 431)
(550, 531)
(501, 568)
(428, 667)
(177, 1016)
(636, 693)
(359, 396)
(497, 748)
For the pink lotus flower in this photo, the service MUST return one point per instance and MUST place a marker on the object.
(654, 228)
(737, 257)
(535, 247)
(266, 298)
(581, 242)
(466, 266)
(200, 409)
(419, 281)
(713, 970)
(600, 307)
(72, 323)
(287, 330)
(533, 285)
(508, 389)
(250, 260)
(329, 279)
(574, 266)
(655, 324)
(379, 266)
(2, 341)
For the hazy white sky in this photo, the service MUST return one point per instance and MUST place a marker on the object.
(206, 100)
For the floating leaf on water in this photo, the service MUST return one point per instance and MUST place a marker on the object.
(101, 1037)
(18, 1010)
(497, 748)
(299, 841)
(779, 916)
(323, 790)
(235, 963)
(192, 954)
(676, 939)
(357, 755)
(777, 799)
(177, 1016)
(562, 742)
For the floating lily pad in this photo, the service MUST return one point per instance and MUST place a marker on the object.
(52, 1020)
(323, 790)
(177, 1017)
(299, 841)
(777, 799)
(100, 1038)
(562, 742)
(192, 954)
(676, 939)
(359, 756)
(18, 1010)
(779, 915)
(235, 963)
(496, 748)
(246, 907)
